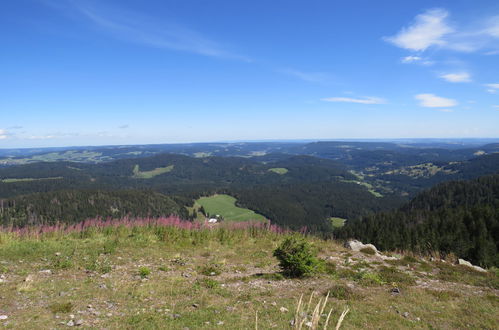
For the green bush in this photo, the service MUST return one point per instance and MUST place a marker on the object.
(297, 258)
(144, 271)
(61, 307)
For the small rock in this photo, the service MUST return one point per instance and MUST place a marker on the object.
(109, 314)
(176, 316)
(79, 322)
(102, 286)
(45, 271)
(355, 245)
(308, 324)
(186, 275)
(395, 291)
(195, 305)
(220, 323)
(106, 275)
(29, 278)
(284, 310)
(58, 254)
(3, 317)
(71, 316)
(418, 319)
(70, 323)
(405, 314)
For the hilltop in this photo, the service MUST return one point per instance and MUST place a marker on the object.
(172, 274)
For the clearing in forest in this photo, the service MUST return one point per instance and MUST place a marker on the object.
(225, 206)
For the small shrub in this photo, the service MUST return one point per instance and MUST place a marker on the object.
(208, 283)
(212, 269)
(443, 295)
(297, 258)
(270, 276)
(330, 268)
(393, 275)
(62, 263)
(110, 246)
(342, 292)
(368, 250)
(144, 271)
(370, 279)
(61, 307)
(163, 268)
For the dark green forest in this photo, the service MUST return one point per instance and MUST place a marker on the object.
(460, 217)
(72, 206)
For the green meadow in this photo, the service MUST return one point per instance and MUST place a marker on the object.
(225, 206)
(138, 174)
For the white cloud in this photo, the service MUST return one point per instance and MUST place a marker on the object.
(365, 100)
(432, 28)
(428, 29)
(433, 101)
(456, 77)
(411, 59)
(492, 88)
(3, 134)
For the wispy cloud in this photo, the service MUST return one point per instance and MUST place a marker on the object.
(124, 126)
(3, 134)
(364, 100)
(433, 29)
(495, 107)
(306, 76)
(457, 77)
(428, 29)
(492, 88)
(132, 27)
(433, 101)
(411, 59)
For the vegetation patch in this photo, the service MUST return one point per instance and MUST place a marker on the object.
(343, 292)
(279, 170)
(297, 258)
(225, 206)
(65, 307)
(12, 180)
(368, 250)
(138, 174)
(337, 222)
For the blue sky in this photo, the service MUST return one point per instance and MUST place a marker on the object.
(94, 72)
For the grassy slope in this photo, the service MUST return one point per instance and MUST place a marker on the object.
(95, 276)
(225, 206)
(279, 170)
(138, 174)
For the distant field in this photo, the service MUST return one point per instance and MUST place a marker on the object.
(29, 179)
(137, 174)
(279, 170)
(337, 222)
(224, 205)
(369, 187)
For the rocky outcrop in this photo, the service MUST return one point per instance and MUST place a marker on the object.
(469, 264)
(355, 245)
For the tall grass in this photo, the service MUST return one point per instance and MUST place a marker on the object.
(170, 228)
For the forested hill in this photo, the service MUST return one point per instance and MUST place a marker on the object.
(73, 206)
(461, 217)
